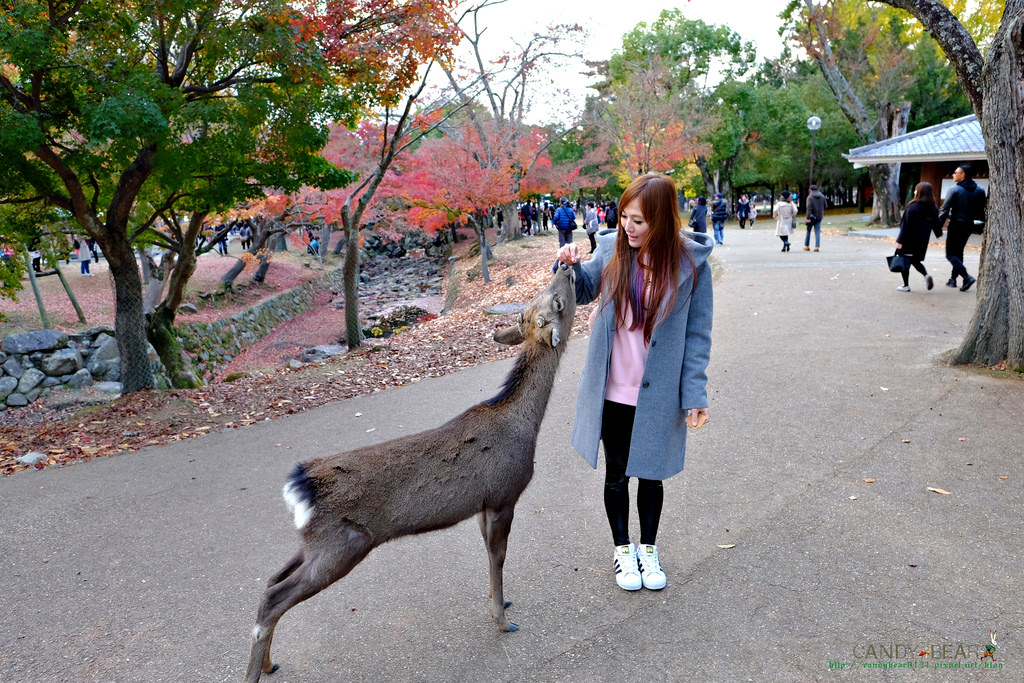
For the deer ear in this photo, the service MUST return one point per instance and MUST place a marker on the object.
(510, 335)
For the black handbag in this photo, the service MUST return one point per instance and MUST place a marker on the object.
(898, 262)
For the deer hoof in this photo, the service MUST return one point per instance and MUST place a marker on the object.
(508, 603)
(512, 626)
(272, 669)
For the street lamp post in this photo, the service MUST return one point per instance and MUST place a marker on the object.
(813, 124)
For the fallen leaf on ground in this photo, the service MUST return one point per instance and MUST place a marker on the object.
(869, 480)
(727, 546)
(942, 491)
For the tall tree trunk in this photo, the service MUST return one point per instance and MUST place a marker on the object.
(485, 249)
(129, 322)
(996, 331)
(350, 273)
(886, 204)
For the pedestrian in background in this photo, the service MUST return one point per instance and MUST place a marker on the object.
(719, 214)
(611, 216)
(919, 221)
(565, 221)
(645, 375)
(815, 212)
(743, 211)
(964, 205)
(785, 213)
(83, 258)
(590, 222)
(699, 215)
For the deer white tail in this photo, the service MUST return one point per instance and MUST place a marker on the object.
(299, 496)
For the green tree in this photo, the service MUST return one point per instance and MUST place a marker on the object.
(880, 69)
(688, 52)
(110, 107)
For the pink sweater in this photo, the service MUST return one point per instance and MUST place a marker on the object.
(629, 355)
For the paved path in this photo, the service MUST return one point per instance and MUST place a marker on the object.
(148, 567)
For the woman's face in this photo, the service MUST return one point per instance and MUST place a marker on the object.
(633, 223)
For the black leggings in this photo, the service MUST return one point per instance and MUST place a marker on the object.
(906, 270)
(616, 432)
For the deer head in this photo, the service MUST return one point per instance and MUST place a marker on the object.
(548, 319)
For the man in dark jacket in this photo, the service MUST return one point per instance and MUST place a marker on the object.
(964, 205)
(719, 214)
(815, 212)
(565, 221)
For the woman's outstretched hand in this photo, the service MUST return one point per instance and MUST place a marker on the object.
(698, 417)
(569, 254)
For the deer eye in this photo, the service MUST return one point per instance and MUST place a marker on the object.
(559, 305)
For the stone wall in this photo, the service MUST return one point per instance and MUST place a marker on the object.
(214, 345)
(34, 364)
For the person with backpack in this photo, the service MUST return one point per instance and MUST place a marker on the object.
(565, 221)
(611, 216)
(964, 208)
(719, 214)
(245, 234)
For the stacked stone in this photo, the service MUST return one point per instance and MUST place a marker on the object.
(34, 364)
(214, 345)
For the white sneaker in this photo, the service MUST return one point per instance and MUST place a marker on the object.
(904, 288)
(650, 569)
(627, 574)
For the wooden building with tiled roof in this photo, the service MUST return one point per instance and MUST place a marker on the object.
(938, 149)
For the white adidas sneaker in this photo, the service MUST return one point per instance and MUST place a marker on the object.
(627, 573)
(650, 568)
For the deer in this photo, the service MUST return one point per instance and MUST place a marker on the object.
(478, 463)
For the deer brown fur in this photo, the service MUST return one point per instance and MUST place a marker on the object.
(478, 463)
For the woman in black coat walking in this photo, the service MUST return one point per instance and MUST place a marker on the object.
(920, 220)
(699, 215)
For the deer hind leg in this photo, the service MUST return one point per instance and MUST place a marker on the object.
(495, 525)
(305, 575)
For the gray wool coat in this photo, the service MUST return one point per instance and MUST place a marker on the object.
(675, 378)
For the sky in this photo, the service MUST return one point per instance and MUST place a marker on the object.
(606, 22)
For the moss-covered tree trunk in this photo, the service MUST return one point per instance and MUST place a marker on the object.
(160, 325)
(164, 337)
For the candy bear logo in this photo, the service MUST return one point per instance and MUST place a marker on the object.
(990, 650)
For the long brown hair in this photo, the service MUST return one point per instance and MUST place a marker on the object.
(656, 262)
(923, 193)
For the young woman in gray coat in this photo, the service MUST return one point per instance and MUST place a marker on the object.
(644, 378)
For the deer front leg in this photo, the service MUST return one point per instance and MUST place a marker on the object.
(495, 525)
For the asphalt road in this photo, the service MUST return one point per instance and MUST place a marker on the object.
(148, 566)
